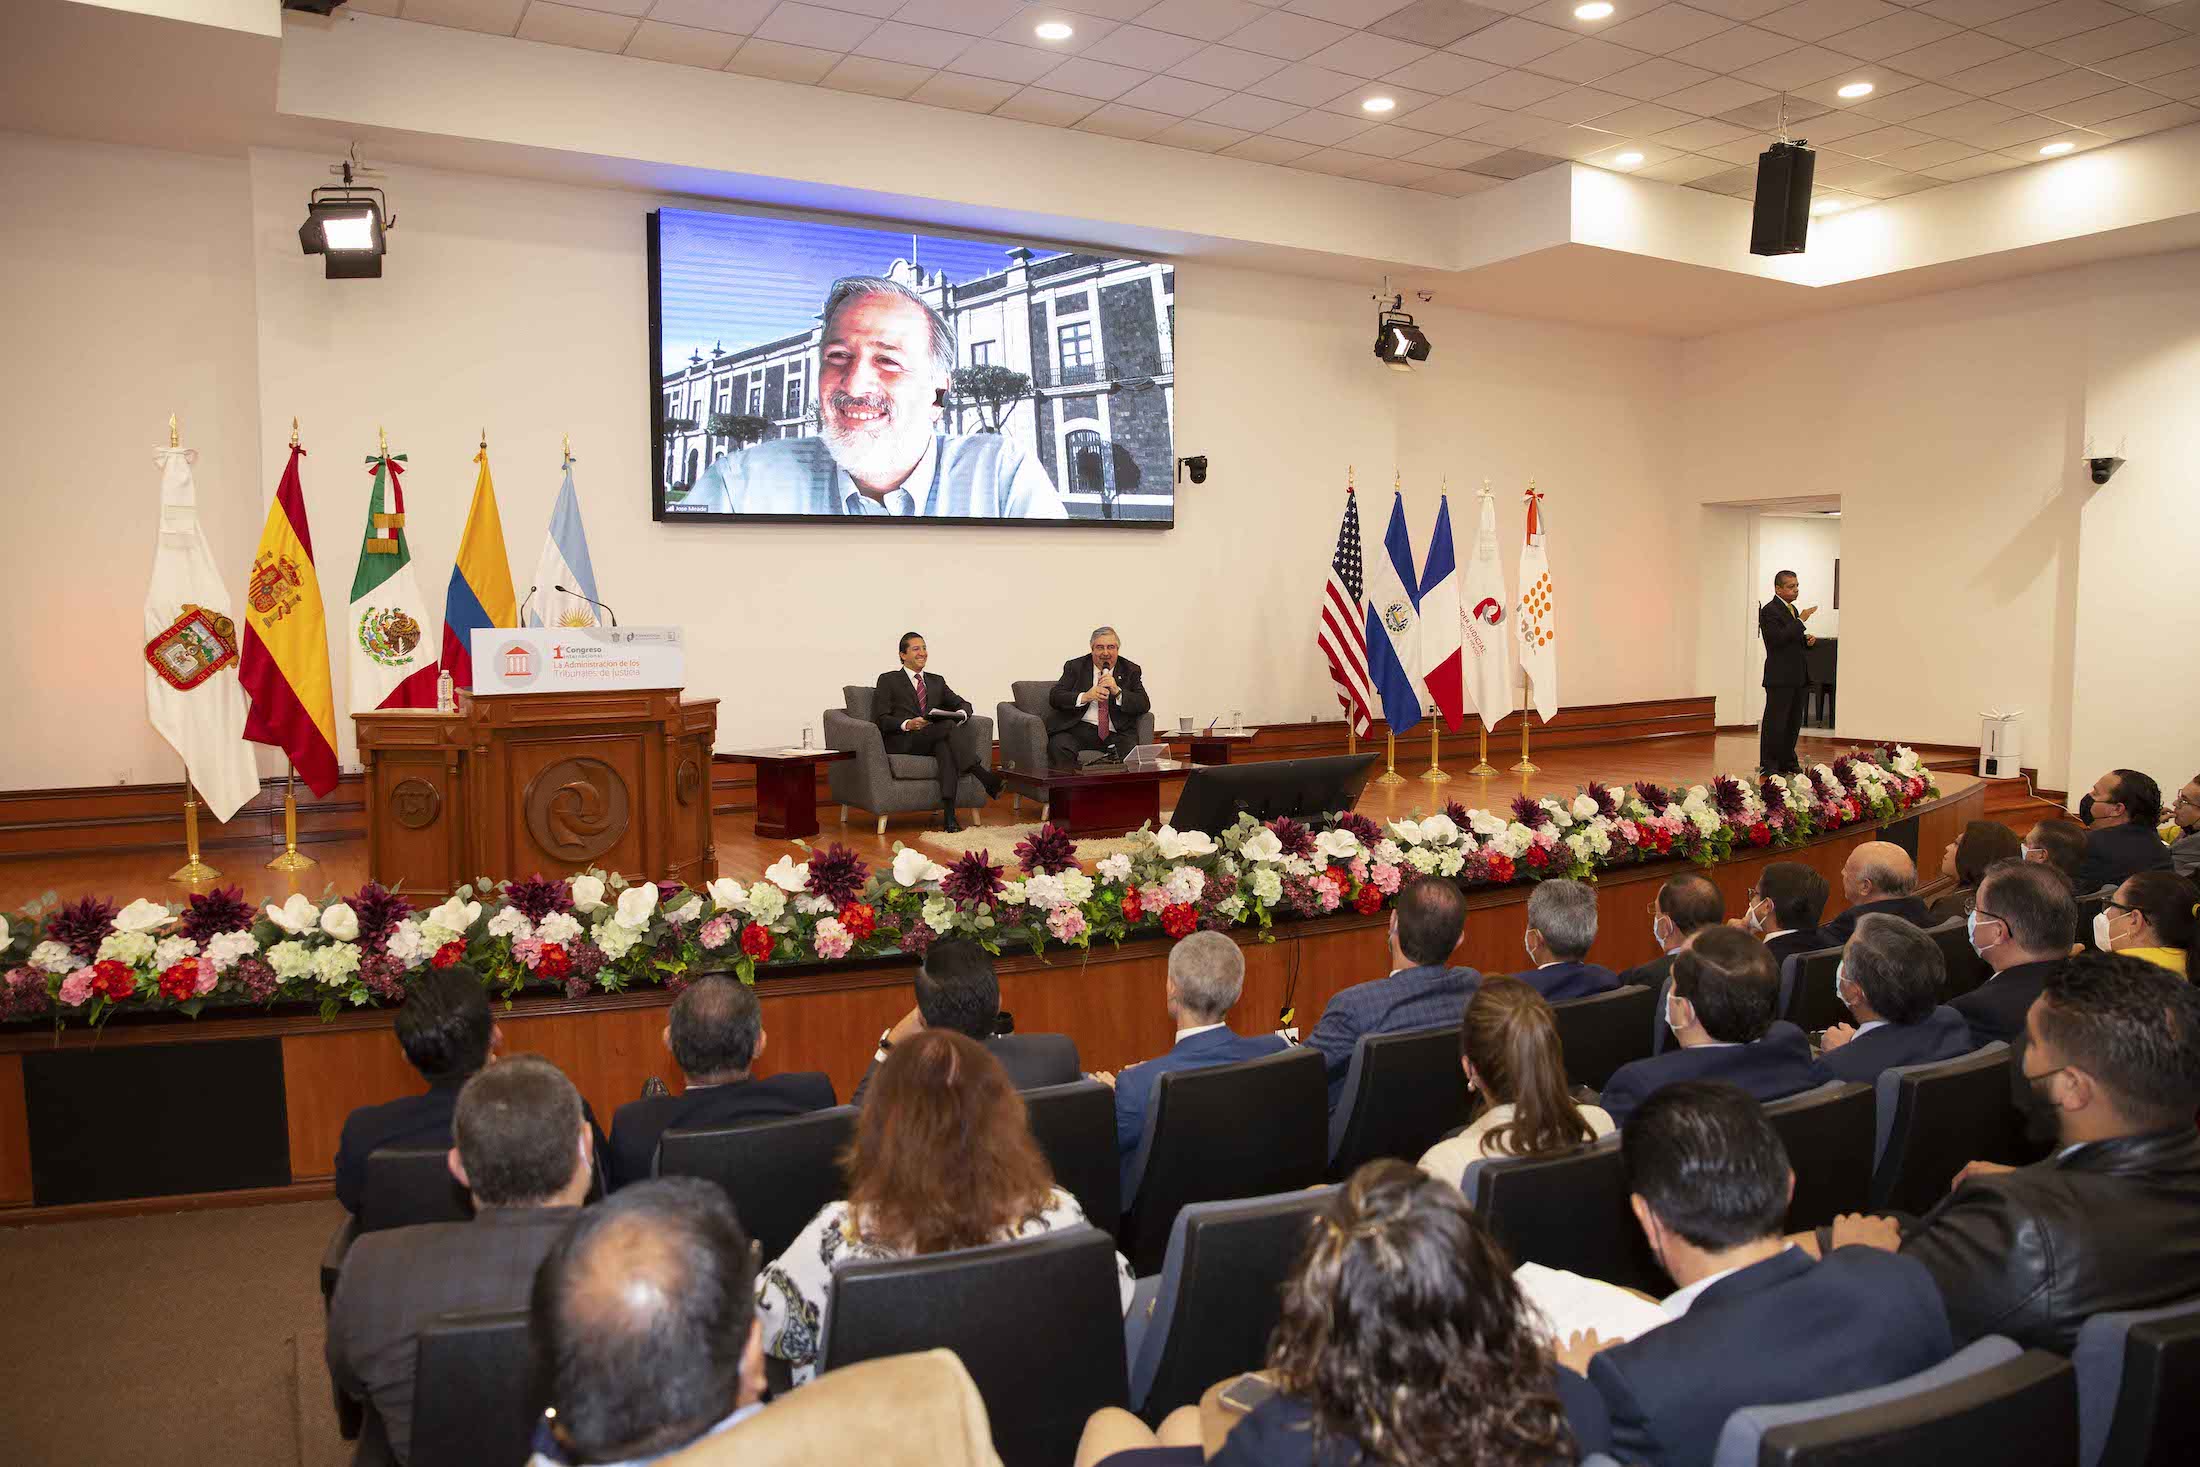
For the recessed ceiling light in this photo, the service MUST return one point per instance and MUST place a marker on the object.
(1827, 206)
(1855, 89)
(1594, 10)
(2056, 150)
(1053, 30)
(1628, 160)
(1378, 104)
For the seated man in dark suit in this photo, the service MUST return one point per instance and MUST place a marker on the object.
(1562, 924)
(2121, 837)
(1720, 1008)
(1878, 876)
(957, 989)
(1890, 978)
(1686, 904)
(2022, 923)
(1784, 909)
(644, 1326)
(524, 1150)
(1755, 1322)
(2111, 1220)
(1096, 703)
(716, 1035)
(2058, 842)
(447, 1034)
(903, 706)
(1422, 991)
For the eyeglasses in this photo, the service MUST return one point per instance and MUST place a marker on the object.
(2186, 800)
(2111, 904)
(2045, 1075)
(1971, 908)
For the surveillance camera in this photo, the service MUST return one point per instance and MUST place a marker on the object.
(2104, 469)
(1196, 466)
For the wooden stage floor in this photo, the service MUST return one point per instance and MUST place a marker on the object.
(1682, 760)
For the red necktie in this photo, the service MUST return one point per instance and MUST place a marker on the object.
(920, 693)
(1103, 702)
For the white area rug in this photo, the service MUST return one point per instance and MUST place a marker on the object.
(999, 842)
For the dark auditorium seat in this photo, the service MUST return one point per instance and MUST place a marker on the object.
(404, 1185)
(1242, 1130)
(475, 1401)
(1988, 1403)
(778, 1173)
(1828, 1133)
(1806, 990)
(1074, 1125)
(1932, 1120)
(1966, 970)
(1402, 1093)
(1604, 1031)
(1567, 1211)
(1218, 1296)
(1038, 1323)
(2139, 1387)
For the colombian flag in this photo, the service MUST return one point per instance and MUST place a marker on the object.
(481, 581)
(285, 663)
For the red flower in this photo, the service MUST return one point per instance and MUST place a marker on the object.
(1501, 867)
(1336, 877)
(1134, 907)
(1665, 840)
(1368, 900)
(860, 919)
(757, 942)
(1538, 858)
(553, 961)
(1179, 919)
(449, 953)
(180, 980)
(1759, 835)
(116, 981)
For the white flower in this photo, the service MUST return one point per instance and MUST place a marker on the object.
(587, 893)
(637, 904)
(55, 957)
(1559, 814)
(224, 948)
(126, 947)
(1407, 831)
(510, 922)
(912, 867)
(144, 916)
(408, 944)
(450, 922)
(687, 911)
(558, 927)
(1230, 908)
(1439, 829)
(1174, 845)
(1261, 845)
(1705, 821)
(1185, 884)
(1337, 845)
(766, 903)
(1514, 841)
(1485, 824)
(339, 921)
(616, 939)
(335, 964)
(1450, 863)
(1422, 859)
(3, 932)
(1044, 890)
(1584, 808)
(810, 904)
(939, 913)
(173, 950)
(290, 959)
(1013, 893)
(1076, 887)
(1117, 868)
(1296, 866)
(726, 894)
(296, 916)
(1267, 886)
(787, 876)
(1388, 852)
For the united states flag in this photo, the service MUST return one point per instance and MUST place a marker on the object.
(1343, 634)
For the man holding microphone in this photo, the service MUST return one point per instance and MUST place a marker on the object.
(1097, 702)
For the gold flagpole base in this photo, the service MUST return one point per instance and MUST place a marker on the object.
(1482, 769)
(1524, 767)
(193, 871)
(290, 859)
(1434, 774)
(1390, 774)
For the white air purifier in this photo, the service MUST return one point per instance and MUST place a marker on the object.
(2000, 745)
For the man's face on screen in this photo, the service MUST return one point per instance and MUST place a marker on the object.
(875, 386)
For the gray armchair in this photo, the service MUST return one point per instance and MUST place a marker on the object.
(890, 784)
(1024, 727)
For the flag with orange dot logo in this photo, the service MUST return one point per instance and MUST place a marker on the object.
(1535, 620)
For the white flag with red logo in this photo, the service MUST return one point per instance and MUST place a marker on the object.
(1485, 642)
(1535, 621)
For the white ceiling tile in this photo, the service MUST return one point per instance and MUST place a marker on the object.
(1173, 95)
(1003, 62)
(1146, 49)
(2154, 61)
(971, 17)
(1681, 168)
(1443, 72)
(1345, 12)
(654, 40)
(1832, 127)
(1398, 173)
(964, 93)
(1439, 22)
(1748, 10)
(2154, 119)
(1968, 116)
(1224, 66)
(631, 9)
(1694, 137)
(875, 78)
(1081, 76)
(1512, 41)
(1666, 29)
(2103, 106)
(1586, 60)
(1269, 150)
(2071, 84)
(1452, 116)
(1086, 31)
(1814, 20)
(1115, 10)
(1730, 50)
(1513, 90)
(1036, 104)
(1451, 153)
(2120, 39)
(1976, 166)
(1200, 137)
(1116, 120)
(1204, 20)
(1572, 143)
(1720, 94)
(1738, 183)
(1975, 12)
(1254, 114)
(2053, 22)
(1905, 30)
(782, 62)
(1886, 82)
(2184, 14)
(913, 45)
(1324, 129)
(2184, 85)
(1582, 104)
(1909, 102)
(741, 17)
(570, 25)
(1645, 120)
(1407, 102)
(1798, 68)
(1880, 140)
(1292, 37)
(1943, 59)
(2017, 69)
(1647, 154)
(876, 9)
(1457, 184)
(2079, 139)
(1931, 153)
(494, 17)
(1361, 54)
(1508, 129)
(1742, 150)
(1388, 142)
(2025, 127)
(797, 24)
(1654, 79)
(1309, 86)
(1516, 163)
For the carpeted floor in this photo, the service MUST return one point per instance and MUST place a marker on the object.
(999, 842)
(184, 1337)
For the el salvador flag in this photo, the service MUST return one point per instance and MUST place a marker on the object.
(1394, 624)
(564, 562)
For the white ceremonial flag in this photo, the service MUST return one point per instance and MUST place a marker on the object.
(1482, 618)
(1535, 620)
(192, 694)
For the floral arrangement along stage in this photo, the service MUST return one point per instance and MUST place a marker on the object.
(594, 933)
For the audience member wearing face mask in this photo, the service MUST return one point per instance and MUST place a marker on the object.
(1890, 979)
(2022, 923)
(2150, 917)
(2121, 814)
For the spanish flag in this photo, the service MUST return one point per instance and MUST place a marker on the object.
(285, 661)
(481, 581)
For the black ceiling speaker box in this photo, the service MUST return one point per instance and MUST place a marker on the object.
(1782, 219)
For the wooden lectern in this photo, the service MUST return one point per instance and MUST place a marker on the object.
(554, 783)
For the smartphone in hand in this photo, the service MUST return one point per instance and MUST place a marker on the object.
(1246, 1392)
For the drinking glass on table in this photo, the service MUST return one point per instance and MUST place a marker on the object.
(806, 736)
(1237, 720)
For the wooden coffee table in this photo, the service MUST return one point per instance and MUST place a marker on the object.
(786, 788)
(1210, 747)
(1100, 799)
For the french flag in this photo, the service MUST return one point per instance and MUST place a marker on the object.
(1442, 661)
(1394, 624)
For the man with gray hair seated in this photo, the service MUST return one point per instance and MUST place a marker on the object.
(1890, 978)
(1878, 876)
(1096, 703)
(886, 363)
(1562, 924)
(1206, 974)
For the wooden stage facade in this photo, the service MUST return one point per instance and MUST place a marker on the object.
(229, 1110)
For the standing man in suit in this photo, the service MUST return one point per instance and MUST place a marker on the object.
(1206, 975)
(2121, 838)
(957, 989)
(1878, 876)
(1709, 1182)
(1785, 635)
(1562, 925)
(1890, 978)
(1096, 703)
(2022, 923)
(1721, 1008)
(715, 1034)
(1423, 989)
(523, 1148)
(901, 706)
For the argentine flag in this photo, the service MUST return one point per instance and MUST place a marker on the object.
(1394, 624)
(564, 562)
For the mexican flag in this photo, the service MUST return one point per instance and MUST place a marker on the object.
(387, 629)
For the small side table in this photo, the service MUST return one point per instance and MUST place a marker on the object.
(1210, 747)
(786, 788)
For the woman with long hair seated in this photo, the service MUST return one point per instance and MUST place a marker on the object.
(2151, 916)
(1509, 1047)
(943, 1158)
(1403, 1341)
(1982, 843)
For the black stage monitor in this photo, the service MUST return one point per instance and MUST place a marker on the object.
(1304, 789)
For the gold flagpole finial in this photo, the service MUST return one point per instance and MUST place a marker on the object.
(294, 432)
(382, 436)
(485, 440)
(1348, 476)
(1397, 482)
(175, 435)
(568, 449)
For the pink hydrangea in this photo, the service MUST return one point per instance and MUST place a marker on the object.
(1327, 896)
(207, 977)
(832, 940)
(717, 932)
(1358, 868)
(1547, 837)
(528, 950)
(1066, 922)
(77, 987)
(1386, 878)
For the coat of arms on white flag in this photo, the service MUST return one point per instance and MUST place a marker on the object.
(191, 690)
(1535, 620)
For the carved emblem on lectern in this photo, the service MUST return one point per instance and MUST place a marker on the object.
(688, 783)
(577, 809)
(415, 803)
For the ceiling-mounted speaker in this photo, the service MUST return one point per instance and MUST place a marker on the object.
(1781, 222)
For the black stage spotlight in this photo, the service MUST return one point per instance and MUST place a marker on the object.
(1781, 221)
(348, 228)
(1398, 342)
